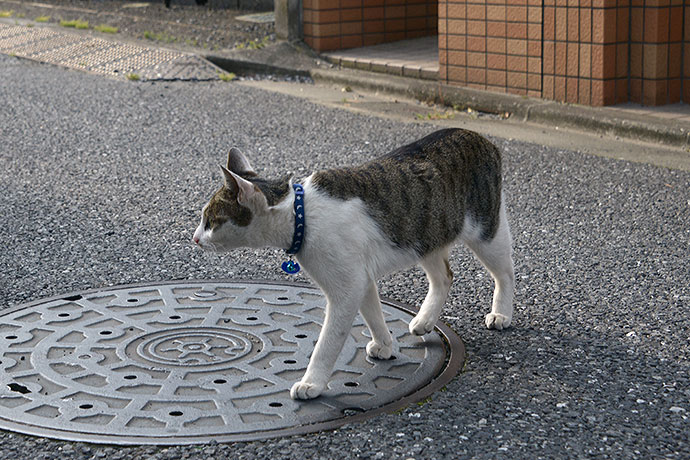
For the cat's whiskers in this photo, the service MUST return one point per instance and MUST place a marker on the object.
(213, 247)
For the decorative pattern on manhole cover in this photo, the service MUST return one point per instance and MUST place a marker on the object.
(188, 362)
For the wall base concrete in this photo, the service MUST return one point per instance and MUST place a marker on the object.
(288, 15)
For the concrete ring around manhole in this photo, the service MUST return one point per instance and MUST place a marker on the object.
(189, 362)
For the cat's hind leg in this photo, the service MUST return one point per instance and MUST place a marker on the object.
(496, 256)
(440, 276)
(380, 346)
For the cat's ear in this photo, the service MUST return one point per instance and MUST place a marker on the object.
(248, 194)
(238, 163)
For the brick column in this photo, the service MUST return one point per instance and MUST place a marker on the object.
(656, 47)
(686, 56)
(491, 44)
(586, 51)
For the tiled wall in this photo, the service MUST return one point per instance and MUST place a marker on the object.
(591, 52)
(686, 55)
(491, 44)
(656, 48)
(567, 50)
(586, 51)
(338, 24)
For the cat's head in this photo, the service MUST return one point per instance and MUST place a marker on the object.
(242, 213)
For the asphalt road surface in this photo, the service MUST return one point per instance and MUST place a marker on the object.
(102, 184)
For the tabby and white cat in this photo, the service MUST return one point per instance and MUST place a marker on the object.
(362, 222)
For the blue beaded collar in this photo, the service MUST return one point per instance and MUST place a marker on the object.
(290, 266)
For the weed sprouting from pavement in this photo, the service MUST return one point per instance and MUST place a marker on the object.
(106, 29)
(160, 37)
(424, 401)
(254, 44)
(435, 116)
(6, 14)
(75, 24)
(227, 76)
(42, 19)
(133, 77)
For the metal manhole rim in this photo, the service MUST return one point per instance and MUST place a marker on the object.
(455, 357)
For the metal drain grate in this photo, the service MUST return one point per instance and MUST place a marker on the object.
(101, 56)
(190, 362)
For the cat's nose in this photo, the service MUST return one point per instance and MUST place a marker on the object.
(196, 239)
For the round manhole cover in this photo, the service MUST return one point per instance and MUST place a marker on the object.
(194, 361)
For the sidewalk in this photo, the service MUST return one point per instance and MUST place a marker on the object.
(418, 58)
(102, 56)
(388, 69)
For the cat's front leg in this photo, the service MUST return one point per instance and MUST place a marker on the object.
(341, 309)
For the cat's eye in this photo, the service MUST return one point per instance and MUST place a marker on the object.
(207, 225)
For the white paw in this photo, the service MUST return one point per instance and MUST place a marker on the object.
(497, 321)
(421, 325)
(305, 390)
(378, 351)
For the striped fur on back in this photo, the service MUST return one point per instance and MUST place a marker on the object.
(419, 194)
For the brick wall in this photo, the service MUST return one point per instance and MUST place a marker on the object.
(338, 24)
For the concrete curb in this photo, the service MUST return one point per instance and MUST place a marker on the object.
(596, 120)
(242, 67)
(281, 58)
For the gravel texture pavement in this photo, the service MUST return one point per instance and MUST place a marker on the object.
(103, 182)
